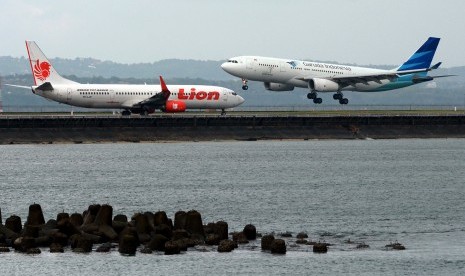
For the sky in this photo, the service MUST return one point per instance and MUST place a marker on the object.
(346, 31)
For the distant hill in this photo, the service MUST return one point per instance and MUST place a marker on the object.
(446, 91)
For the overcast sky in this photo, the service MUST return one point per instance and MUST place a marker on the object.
(346, 31)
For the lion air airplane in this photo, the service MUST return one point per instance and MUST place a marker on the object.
(285, 74)
(141, 99)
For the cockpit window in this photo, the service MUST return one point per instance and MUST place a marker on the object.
(234, 93)
(232, 61)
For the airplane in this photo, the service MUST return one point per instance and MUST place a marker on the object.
(132, 98)
(285, 74)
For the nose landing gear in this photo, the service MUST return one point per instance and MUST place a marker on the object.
(244, 84)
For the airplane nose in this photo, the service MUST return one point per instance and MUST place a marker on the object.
(240, 99)
(225, 66)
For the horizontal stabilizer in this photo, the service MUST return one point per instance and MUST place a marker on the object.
(436, 66)
(18, 86)
(46, 86)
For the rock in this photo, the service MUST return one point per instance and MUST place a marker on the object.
(33, 251)
(60, 238)
(146, 250)
(142, 227)
(160, 217)
(172, 248)
(183, 244)
(194, 223)
(286, 235)
(301, 241)
(212, 239)
(91, 213)
(31, 231)
(302, 235)
(209, 228)
(128, 245)
(180, 219)
(14, 224)
(227, 246)
(164, 230)
(108, 232)
(278, 246)
(76, 219)
(35, 216)
(130, 231)
(240, 237)
(56, 248)
(61, 216)
(398, 247)
(121, 218)
(157, 242)
(104, 215)
(221, 229)
(103, 248)
(180, 234)
(84, 244)
(7, 233)
(320, 248)
(266, 242)
(250, 232)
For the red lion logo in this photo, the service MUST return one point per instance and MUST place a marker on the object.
(42, 70)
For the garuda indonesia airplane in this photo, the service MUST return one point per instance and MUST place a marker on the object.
(285, 74)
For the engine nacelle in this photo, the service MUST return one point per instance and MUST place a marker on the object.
(323, 85)
(174, 106)
(272, 86)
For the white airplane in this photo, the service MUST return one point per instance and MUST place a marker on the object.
(141, 99)
(285, 74)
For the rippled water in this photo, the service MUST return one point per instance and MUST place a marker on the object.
(372, 191)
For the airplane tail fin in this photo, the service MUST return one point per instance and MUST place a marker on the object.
(42, 69)
(422, 58)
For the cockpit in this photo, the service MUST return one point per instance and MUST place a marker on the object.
(232, 61)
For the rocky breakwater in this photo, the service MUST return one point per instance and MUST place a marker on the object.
(96, 229)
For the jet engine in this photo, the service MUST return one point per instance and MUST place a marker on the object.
(272, 86)
(323, 85)
(174, 106)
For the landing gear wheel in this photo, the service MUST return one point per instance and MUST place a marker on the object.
(223, 112)
(318, 100)
(344, 101)
(144, 113)
(311, 95)
(126, 113)
(245, 87)
(337, 96)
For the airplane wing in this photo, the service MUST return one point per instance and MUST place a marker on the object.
(382, 75)
(155, 101)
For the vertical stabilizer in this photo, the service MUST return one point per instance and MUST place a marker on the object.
(422, 58)
(42, 69)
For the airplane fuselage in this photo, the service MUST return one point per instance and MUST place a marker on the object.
(125, 96)
(297, 73)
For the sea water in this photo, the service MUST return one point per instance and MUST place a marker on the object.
(366, 191)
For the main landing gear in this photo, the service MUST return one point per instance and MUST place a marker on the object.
(314, 96)
(339, 96)
(244, 84)
(126, 113)
(223, 112)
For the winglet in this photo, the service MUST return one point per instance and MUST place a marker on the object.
(164, 88)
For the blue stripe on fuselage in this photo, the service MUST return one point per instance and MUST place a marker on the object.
(400, 82)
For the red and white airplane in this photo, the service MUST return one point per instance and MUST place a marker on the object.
(141, 99)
